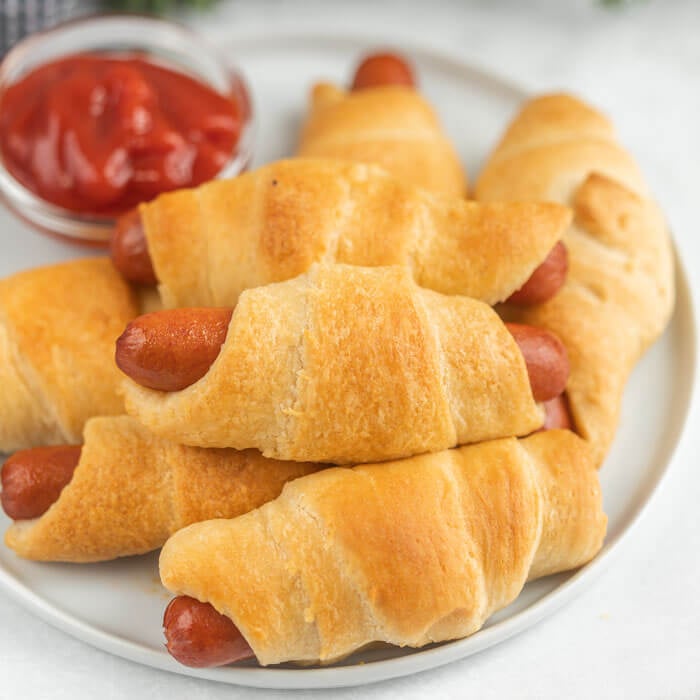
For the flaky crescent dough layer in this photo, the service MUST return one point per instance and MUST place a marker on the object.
(392, 126)
(58, 325)
(131, 490)
(349, 364)
(410, 552)
(619, 292)
(211, 243)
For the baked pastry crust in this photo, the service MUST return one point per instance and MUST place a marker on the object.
(211, 243)
(348, 364)
(409, 552)
(391, 126)
(131, 490)
(619, 292)
(58, 325)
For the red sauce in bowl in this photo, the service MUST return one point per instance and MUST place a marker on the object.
(98, 134)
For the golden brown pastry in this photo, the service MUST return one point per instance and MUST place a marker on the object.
(131, 490)
(209, 244)
(619, 292)
(410, 552)
(392, 126)
(348, 364)
(58, 325)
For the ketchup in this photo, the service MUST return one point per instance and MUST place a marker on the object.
(98, 134)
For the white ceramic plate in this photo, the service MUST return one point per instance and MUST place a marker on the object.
(118, 606)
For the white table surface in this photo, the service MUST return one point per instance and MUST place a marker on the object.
(636, 632)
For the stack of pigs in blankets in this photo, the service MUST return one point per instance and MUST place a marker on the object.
(361, 407)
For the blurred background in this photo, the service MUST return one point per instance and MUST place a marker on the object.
(639, 60)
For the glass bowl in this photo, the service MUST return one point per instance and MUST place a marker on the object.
(172, 44)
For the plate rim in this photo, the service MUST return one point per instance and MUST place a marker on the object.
(432, 657)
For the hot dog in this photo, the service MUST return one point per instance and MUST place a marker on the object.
(546, 360)
(32, 480)
(383, 69)
(545, 281)
(170, 350)
(557, 414)
(197, 635)
(129, 250)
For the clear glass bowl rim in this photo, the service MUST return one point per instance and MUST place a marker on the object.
(157, 36)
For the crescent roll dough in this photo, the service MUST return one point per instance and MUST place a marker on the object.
(211, 243)
(410, 552)
(350, 364)
(131, 490)
(391, 126)
(619, 293)
(58, 325)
